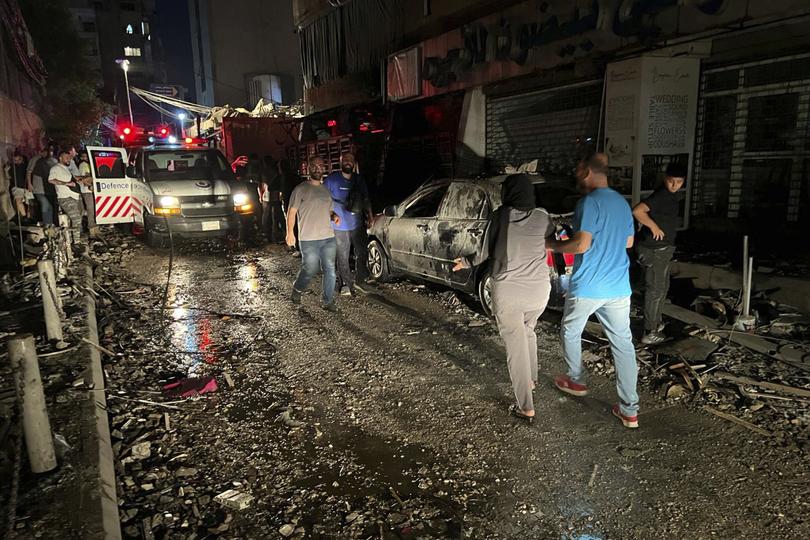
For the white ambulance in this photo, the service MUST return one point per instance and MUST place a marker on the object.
(187, 190)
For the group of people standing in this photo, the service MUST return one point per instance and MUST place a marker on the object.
(327, 216)
(49, 180)
(331, 216)
(518, 236)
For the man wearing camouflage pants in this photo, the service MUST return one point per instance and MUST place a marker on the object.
(67, 198)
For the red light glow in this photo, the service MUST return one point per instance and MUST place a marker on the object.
(331, 123)
(127, 130)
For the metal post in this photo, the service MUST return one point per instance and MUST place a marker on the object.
(129, 99)
(747, 301)
(37, 428)
(51, 302)
(745, 263)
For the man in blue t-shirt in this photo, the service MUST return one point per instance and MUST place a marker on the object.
(600, 284)
(351, 202)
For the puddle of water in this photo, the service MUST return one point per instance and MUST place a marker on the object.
(389, 465)
(574, 510)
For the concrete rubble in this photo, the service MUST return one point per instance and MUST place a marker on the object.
(256, 459)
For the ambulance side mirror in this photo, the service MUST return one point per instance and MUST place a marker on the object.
(131, 172)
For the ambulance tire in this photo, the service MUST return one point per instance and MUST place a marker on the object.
(153, 239)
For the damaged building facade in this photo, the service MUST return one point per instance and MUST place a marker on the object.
(473, 87)
(22, 78)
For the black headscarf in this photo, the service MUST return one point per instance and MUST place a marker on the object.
(517, 192)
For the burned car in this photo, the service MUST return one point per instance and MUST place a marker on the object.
(447, 219)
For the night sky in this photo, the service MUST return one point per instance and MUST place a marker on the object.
(171, 26)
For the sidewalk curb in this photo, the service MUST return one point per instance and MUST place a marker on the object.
(101, 447)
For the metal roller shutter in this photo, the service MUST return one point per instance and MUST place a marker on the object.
(752, 152)
(555, 126)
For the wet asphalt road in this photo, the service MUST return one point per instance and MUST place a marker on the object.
(404, 427)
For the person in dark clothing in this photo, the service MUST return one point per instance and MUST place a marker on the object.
(272, 213)
(47, 196)
(289, 180)
(351, 202)
(659, 216)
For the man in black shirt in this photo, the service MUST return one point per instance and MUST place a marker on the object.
(658, 214)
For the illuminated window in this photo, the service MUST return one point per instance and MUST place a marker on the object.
(132, 51)
(145, 28)
(129, 29)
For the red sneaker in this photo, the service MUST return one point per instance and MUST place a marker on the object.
(628, 421)
(565, 384)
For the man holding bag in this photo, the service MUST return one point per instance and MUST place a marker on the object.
(351, 202)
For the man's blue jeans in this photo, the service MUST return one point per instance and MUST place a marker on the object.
(614, 315)
(318, 254)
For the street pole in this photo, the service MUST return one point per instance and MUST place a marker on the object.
(125, 66)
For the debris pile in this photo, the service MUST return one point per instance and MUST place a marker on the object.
(706, 368)
(211, 437)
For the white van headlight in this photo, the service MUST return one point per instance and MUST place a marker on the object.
(168, 202)
(240, 199)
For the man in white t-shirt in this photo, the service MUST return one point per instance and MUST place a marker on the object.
(87, 193)
(68, 199)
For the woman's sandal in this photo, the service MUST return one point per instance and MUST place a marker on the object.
(515, 411)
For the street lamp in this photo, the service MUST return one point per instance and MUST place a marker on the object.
(125, 66)
(182, 117)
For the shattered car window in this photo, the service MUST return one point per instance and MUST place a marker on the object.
(463, 201)
(427, 204)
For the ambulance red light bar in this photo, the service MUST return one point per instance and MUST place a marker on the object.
(126, 132)
(193, 141)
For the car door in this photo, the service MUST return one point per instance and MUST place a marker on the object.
(460, 226)
(112, 190)
(117, 197)
(413, 235)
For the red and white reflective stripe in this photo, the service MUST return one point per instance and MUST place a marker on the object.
(136, 206)
(114, 206)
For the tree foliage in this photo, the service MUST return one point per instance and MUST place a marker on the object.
(71, 105)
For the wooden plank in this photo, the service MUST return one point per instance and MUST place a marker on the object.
(788, 355)
(739, 421)
(801, 392)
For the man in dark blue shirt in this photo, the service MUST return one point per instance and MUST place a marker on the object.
(351, 202)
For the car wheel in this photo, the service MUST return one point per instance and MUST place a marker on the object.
(377, 262)
(485, 292)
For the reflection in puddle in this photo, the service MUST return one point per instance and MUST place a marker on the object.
(191, 333)
(247, 277)
(575, 511)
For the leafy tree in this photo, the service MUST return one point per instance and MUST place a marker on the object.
(71, 107)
